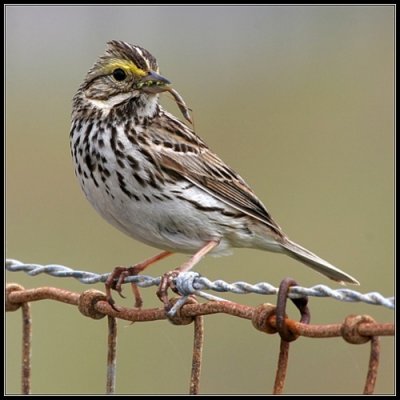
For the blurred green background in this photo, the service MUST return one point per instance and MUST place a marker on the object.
(298, 99)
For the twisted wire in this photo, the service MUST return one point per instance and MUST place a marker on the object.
(188, 283)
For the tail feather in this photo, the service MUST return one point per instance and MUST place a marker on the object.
(318, 264)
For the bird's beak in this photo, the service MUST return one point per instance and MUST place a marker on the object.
(153, 83)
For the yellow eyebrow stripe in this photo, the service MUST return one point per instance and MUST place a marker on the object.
(126, 65)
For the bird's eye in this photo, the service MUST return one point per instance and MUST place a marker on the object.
(119, 74)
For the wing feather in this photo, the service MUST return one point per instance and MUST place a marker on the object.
(208, 172)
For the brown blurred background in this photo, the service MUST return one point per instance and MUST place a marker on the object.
(297, 99)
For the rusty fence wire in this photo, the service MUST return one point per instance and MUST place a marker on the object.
(184, 310)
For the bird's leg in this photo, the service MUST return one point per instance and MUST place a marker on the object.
(119, 274)
(167, 278)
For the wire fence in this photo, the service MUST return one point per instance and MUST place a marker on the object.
(267, 318)
(192, 283)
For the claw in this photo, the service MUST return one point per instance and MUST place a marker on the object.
(118, 276)
(121, 279)
(167, 278)
(138, 297)
(110, 300)
(115, 281)
(165, 284)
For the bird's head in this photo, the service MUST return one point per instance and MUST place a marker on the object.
(123, 72)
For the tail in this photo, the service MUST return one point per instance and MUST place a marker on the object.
(318, 264)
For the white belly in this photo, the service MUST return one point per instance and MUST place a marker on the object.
(148, 214)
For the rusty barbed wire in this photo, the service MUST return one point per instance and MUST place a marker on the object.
(92, 303)
(372, 365)
(26, 336)
(198, 343)
(282, 326)
(265, 318)
(191, 283)
(111, 355)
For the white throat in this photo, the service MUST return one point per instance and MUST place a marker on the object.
(148, 107)
(106, 105)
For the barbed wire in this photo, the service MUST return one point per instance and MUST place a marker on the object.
(189, 283)
(267, 318)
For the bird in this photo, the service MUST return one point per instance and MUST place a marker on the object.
(150, 175)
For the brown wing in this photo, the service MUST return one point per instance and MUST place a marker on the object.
(187, 155)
